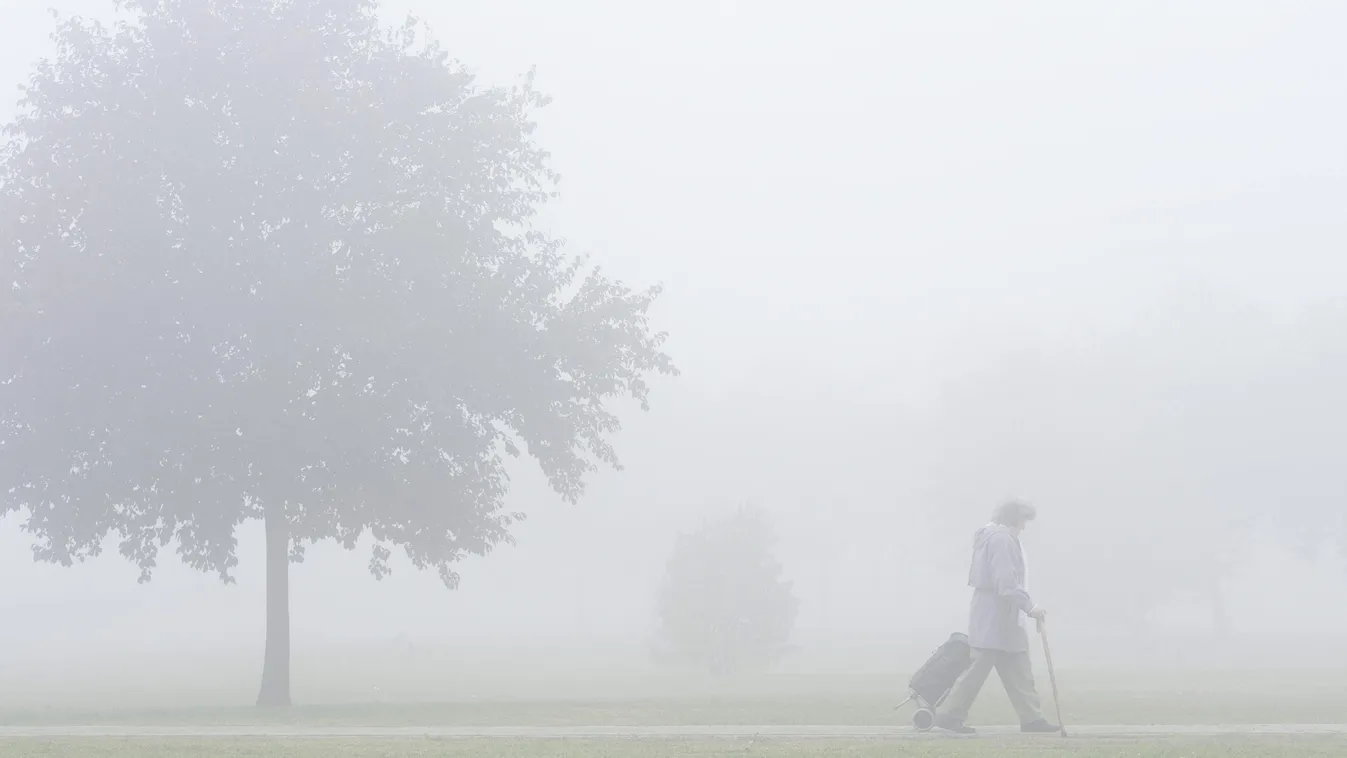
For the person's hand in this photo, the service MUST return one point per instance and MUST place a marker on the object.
(1038, 613)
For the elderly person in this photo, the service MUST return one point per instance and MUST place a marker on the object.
(995, 626)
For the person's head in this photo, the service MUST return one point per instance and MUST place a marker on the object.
(1014, 514)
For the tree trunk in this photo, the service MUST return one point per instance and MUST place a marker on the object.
(275, 691)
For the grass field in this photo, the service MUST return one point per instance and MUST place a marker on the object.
(1093, 708)
(1296, 747)
(429, 696)
(1205, 699)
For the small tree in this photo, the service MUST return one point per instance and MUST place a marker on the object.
(266, 259)
(723, 604)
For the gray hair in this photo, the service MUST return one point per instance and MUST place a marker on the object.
(1014, 513)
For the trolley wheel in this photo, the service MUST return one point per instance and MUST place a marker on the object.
(923, 719)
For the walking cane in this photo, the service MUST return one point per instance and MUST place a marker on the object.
(1052, 676)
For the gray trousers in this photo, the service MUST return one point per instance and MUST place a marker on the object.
(1016, 675)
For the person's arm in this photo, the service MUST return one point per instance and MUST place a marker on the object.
(1003, 573)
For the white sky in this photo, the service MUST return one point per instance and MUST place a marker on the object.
(850, 203)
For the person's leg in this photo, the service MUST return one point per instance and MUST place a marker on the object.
(1017, 675)
(965, 690)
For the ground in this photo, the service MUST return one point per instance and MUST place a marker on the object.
(1247, 747)
(457, 700)
(865, 700)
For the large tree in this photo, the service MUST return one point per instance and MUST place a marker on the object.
(267, 259)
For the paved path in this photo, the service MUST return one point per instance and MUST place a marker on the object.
(649, 732)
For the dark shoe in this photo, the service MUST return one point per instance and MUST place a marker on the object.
(1040, 726)
(947, 724)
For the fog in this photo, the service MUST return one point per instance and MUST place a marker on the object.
(917, 258)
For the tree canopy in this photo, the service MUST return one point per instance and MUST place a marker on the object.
(1166, 448)
(724, 604)
(271, 258)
